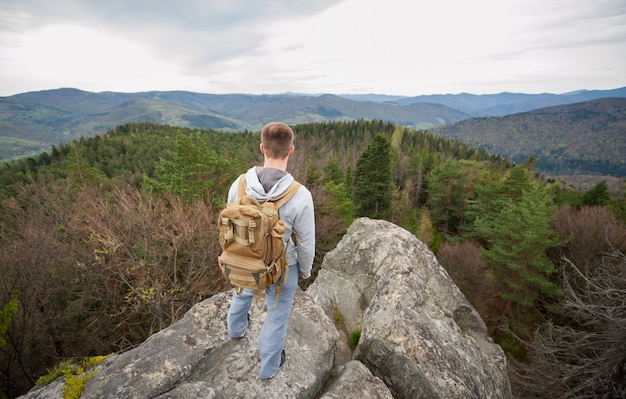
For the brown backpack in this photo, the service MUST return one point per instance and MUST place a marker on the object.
(251, 236)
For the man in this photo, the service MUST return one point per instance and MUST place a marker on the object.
(297, 213)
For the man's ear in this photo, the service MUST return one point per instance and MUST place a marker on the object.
(291, 149)
(262, 148)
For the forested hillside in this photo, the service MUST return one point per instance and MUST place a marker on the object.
(578, 139)
(107, 239)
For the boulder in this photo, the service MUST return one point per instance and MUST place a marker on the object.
(357, 382)
(196, 355)
(195, 358)
(420, 338)
(419, 334)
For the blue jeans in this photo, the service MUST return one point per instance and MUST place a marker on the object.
(274, 330)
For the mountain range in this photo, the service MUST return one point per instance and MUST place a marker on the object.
(584, 125)
(498, 104)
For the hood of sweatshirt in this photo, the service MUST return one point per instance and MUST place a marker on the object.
(278, 184)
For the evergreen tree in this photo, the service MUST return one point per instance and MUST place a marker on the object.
(598, 195)
(312, 174)
(619, 205)
(517, 180)
(333, 172)
(492, 194)
(517, 242)
(195, 173)
(348, 179)
(338, 203)
(446, 185)
(372, 184)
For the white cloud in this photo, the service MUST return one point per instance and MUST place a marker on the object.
(77, 56)
(448, 46)
(357, 46)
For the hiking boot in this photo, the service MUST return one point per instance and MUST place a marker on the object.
(282, 361)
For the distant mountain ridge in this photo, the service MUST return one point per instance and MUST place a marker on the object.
(498, 104)
(33, 122)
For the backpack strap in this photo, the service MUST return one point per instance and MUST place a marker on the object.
(242, 186)
(284, 197)
(278, 201)
(287, 194)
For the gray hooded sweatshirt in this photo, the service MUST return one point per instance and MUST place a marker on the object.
(297, 213)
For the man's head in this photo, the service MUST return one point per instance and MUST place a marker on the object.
(277, 140)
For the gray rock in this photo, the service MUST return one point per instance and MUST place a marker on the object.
(419, 334)
(53, 390)
(420, 338)
(195, 358)
(356, 382)
(190, 390)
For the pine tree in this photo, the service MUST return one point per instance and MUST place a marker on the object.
(372, 184)
(312, 174)
(195, 173)
(333, 172)
(337, 202)
(618, 206)
(446, 198)
(598, 195)
(517, 242)
(492, 194)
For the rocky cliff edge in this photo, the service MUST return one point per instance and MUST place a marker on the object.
(419, 337)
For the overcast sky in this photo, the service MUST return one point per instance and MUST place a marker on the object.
(399, 47)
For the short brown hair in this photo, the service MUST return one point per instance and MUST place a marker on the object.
(277, 138)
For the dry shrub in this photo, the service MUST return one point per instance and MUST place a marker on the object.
(97, 272)
(37, 268)
(469, 270)
(580, 350)
(153, 258)
(584, 357)
(589, 234)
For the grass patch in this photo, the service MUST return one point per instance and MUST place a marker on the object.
(76, 375)
(353, 338)
(337, 315)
